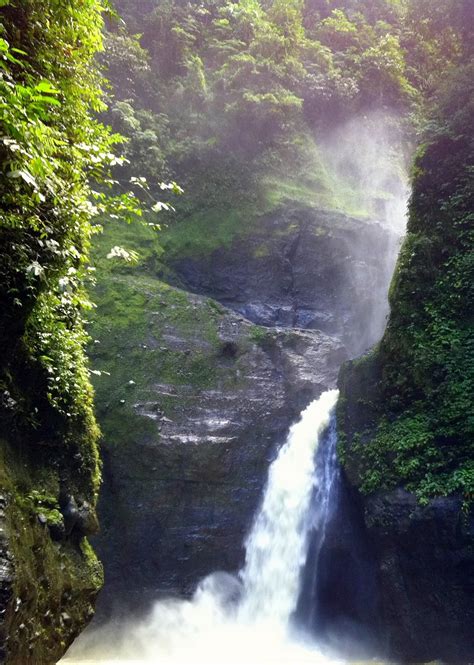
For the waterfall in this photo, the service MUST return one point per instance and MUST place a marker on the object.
(322, 506)
(276, 547)
(245, 619)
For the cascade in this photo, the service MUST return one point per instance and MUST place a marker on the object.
(323, 505)
(277, 544)
(245, 619)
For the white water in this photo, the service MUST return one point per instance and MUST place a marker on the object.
(245, 620)
(276, 547)
(323, 505)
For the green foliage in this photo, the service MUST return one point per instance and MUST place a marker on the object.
(57, 173)
(45, 506)
(432, 39)
(422, 429)
(51, 150)
(57, 165)
(226, 96)
(260, 335)
(232, 98)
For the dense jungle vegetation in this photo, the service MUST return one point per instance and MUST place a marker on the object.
(232, 99)
(102, 109)
(237, 100)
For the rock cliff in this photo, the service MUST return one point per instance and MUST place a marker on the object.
(193, 411)
(405, 429)
(301, 267)
(199, 397)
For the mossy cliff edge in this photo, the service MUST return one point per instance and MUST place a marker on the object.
(405, 420)
(50, 149)
(49, 474)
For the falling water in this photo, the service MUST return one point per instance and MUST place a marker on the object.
(276, 547)
(244, 619)
(323, 504)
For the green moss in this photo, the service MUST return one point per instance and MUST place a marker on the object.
(261, 252)
(203, 232)
(94, 568)
(155, 349)
(415, 427)
(260, 335)
(54, 582)
(145, 333)
(44, 505)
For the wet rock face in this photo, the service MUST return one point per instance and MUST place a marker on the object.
(426, 575)
(423, 555)
(303, 268)
(199, 397)
(339, 602)
(48, 585)
(179, 496)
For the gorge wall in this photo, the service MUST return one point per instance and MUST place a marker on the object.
(49, 460)
(405, 429)
(194, 398)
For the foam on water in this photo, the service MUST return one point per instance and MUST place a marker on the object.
(244, 619)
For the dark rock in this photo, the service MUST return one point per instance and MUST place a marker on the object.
(425, 560)
(80, 518)
(38, 621)
(339, 601)
(424, 555)
(70, 513)
(179, 495)
(57, 531)
(302, 268)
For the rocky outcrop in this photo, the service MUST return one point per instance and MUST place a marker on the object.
(423, 554)
(303, 268)
(49, 574)
(340, 598)
(48, 580)
(425, 558)
(190, 427)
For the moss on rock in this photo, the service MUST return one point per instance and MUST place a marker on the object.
(405, 416)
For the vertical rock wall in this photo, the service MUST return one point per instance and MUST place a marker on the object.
(405, 425)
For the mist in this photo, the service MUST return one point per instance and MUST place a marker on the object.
(367, 160)
(245, 618)
(200, 630)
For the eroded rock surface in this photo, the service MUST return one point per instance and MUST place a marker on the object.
(302, 268)
(212, 396)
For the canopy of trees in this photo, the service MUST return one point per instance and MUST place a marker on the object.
(229, 90)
